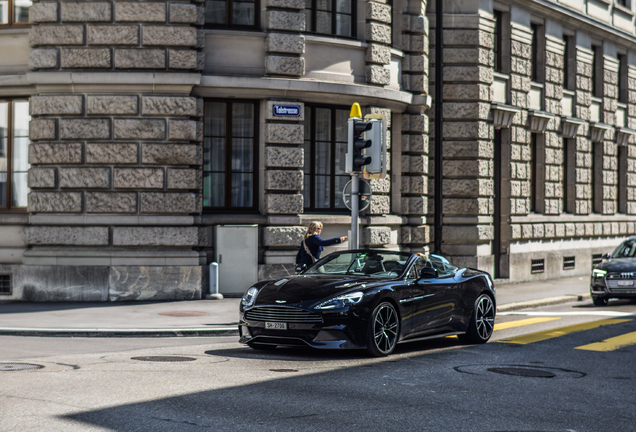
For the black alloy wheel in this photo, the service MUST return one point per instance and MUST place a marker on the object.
(384, 328)
(482, 322)
(600, 301)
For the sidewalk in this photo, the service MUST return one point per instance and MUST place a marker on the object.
(213, 317)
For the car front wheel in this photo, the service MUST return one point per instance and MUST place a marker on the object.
(482, 321)
(384, 329)
(600, 301)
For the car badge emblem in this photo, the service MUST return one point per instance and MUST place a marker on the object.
(281, 301)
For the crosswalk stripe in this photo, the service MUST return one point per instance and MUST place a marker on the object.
(523, 322)
(562, 331)
(575, 313)
(611, 344)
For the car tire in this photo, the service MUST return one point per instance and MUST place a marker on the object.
(482, 321)
(383, 330)
(600, 301)
(262, 347)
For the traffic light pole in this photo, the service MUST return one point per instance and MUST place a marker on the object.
(355, 215)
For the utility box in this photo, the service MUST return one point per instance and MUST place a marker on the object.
(236, 252)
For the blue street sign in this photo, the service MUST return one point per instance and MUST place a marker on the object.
(286, 111)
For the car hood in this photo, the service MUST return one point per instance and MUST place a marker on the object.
(310, 289)
(618, 265)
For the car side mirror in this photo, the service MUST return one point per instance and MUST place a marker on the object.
(607, 256)
(301, 267)
(428, 273)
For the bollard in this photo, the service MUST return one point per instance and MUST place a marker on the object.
(214, 283)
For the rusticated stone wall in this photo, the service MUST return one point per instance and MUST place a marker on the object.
(414, 163)
(285, 45)
(467, 165)
(107, 154)
(378, 37)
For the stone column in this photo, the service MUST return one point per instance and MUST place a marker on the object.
(467, 185)
(610, 149)
(284, 43)
(520, 137)
(583, 153)
(554, 171)
(631, 152)
(116, 150)
(378, 36)
(414, 186)
(282, 201)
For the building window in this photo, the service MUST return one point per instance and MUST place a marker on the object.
(498, 41)
(569, 175)
(14, 147)
(597, 71)
(624, 3)
(569, 64)
(14, 11)
(596, 187)
(230, 155)
(622, 179)
(231, 13)
(537, 51)
(623, 94)
(325, 150)
(537, 173)
(332, 17)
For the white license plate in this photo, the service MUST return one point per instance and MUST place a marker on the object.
(626, 283)
(276, 325)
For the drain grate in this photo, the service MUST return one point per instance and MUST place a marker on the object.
(19, 366)
(523, 372)
(171, 359)
(183, 314)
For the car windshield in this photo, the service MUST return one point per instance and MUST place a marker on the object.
(369, 263)
(627, 249)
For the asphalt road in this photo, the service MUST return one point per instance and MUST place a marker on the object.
(581, 361)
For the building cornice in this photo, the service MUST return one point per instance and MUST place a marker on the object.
(325, 92)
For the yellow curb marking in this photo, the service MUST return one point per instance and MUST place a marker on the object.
(550, 334)
(523, 322)
(611, 344)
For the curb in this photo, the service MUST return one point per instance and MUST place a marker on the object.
(155, 333)
(543, 302)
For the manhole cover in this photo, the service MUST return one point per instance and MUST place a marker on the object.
(164, 358)
(283, 370)
(183, 314)
(18, 366)
(533, 373)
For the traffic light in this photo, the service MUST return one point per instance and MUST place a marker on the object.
(376, 169)
(356, 145)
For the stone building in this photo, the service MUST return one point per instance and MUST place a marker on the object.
(141, 141)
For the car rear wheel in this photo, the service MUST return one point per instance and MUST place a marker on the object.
(600, 301)
(259, 346)
(482, 321)
(384, 328)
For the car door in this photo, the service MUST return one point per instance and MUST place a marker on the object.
(430, 299)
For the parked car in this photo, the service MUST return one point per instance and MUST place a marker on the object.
(371, 299)
(615, 276)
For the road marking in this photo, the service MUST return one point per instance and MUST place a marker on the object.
(611, 344)
(524, 322)
(549, 334)
(581, 313)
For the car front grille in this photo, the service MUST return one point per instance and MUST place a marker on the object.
(282, 314)
(621, 282)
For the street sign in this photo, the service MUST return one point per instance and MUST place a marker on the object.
(365, 195)
(286, 111)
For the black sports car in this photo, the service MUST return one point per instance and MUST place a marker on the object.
(369, 299)
(615, 276)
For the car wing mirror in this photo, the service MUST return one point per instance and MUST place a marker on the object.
(428, 273)
(301, 267)
(607, 256)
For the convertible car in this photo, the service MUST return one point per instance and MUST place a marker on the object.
(615, 276)
(369, 299)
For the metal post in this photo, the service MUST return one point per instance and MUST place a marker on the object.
(355, 192)
(214, 283)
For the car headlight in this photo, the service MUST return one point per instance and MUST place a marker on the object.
(342, 301)
(249, 297)
(598, 273)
